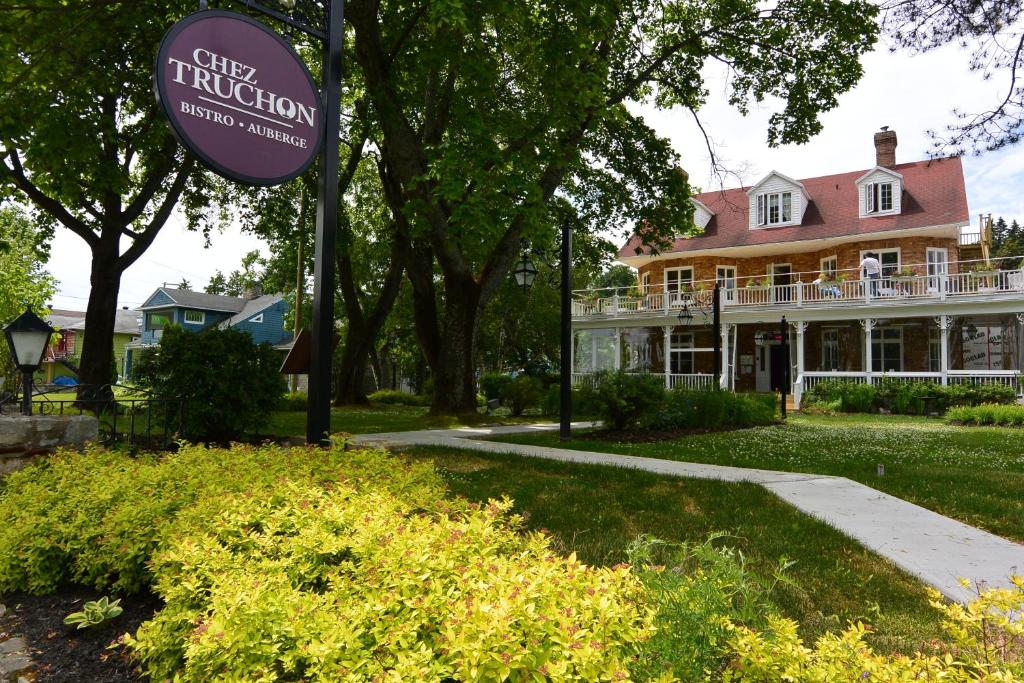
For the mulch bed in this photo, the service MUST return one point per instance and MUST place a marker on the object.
(64, 654)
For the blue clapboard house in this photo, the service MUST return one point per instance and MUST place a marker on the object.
(261, 315)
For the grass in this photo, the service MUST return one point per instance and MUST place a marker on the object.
(378, 419)
(597, 511)
(973, 474)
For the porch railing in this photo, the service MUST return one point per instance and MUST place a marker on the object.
(932, 282)
(811, 378)
(696, 380)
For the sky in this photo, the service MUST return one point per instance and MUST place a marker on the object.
(910, 94)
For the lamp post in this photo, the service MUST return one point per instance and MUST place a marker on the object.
(27, 338)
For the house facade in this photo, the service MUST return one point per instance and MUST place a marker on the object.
(262, 316)
(63, 354)
(786, 248)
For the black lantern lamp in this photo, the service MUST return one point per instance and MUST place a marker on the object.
(525, 272)
(27, 338)
(685, 315)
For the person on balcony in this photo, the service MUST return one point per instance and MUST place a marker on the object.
(871, 270)
(825, 285)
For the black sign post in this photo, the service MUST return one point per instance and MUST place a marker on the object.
(238, 96)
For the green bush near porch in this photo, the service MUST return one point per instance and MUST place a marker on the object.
(712, 409)
(987, 414)
(904, 398)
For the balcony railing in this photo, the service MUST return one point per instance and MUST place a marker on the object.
(933, 282)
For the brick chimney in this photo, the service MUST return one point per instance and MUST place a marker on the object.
(885, 147)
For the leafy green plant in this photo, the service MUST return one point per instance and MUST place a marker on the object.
(521, 393)
(297, 401)
(492, 384)
(987, 414)
(391, 397)
(622, 399)
(229, 385)
(905, 398)
(94, 613)
(711, 409)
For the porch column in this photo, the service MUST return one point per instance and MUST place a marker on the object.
(868, 324)
(944, 322)
(667, 330)
(618, 348)
(723, 382)
(798, 386)
(734, 333)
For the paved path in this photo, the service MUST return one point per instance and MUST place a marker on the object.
(936, 549)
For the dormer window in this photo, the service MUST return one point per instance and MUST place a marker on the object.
(879, 197)
(774, 208)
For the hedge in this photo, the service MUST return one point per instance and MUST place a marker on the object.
(987, 414)
(903, 398)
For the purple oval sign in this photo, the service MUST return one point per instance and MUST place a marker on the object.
(239, 97)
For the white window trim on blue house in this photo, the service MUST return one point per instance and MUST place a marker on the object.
(197, 317)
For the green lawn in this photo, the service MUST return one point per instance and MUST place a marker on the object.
(974, 474)
(597, 511)
(377, 419)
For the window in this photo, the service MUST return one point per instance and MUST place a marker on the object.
(878, 197)
(887, 349)
(830, 267)
(256, 318)
(157, 321)
(681, 354)
(830, 349)
(195, 317)
(645, 283)
(774, 208)
(934, 350)
(678, 280)
(889, 258)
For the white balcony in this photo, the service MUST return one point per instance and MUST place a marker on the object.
(910, 285)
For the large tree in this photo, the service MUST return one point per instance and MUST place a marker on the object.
(82, 139)
(992, 33)
(489, 109)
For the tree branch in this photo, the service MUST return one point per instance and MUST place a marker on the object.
(142, 242)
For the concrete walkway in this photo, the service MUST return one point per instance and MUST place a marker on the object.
(936, 549)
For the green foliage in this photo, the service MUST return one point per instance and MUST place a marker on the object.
(621, 399)
(294, 402)
(390, 397)
(904, 398)
(713, 409)
(584, 404)
(985, 643)
(229, 384)
(493, 383)
(521, 393)
(701, 591)
(94, 613)
(987, 414)
(23, 280)
(96, 518)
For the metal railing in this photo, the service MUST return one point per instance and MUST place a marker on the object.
(127, 415)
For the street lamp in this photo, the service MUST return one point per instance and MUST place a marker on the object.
(27, 338)
(525, 272)
(685, 315)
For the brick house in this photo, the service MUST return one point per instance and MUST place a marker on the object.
(784, 247)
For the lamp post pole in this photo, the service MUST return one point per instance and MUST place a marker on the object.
(565, 385)
(318, 415)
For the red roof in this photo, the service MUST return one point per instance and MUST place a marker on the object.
(933, 195)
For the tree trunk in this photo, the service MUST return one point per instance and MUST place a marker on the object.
(94, 369)
(352, 369)
(454, 379)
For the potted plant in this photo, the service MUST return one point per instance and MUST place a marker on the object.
(758, 283)
(904, 274)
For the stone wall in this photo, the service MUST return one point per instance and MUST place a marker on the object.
(22, 438)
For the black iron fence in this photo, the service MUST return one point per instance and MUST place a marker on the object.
(127, 415)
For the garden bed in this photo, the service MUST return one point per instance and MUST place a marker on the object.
(64, 653)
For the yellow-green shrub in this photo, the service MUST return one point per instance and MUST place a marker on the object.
(986, 644)
(96, 518)
(355, 583)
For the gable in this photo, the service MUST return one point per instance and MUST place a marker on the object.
(702, 215)
(158, 298)
(772, 185)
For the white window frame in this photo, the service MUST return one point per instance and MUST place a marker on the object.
(256, 318)
(674, 289)
(783, 202)
(876, 353)
(830, 347)
(200, 317)
(825, 269)
(725, 276)
(934, 349)
(887, 250)
(681, 345)
(780, 294)
(645, 283)
(874, 198)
